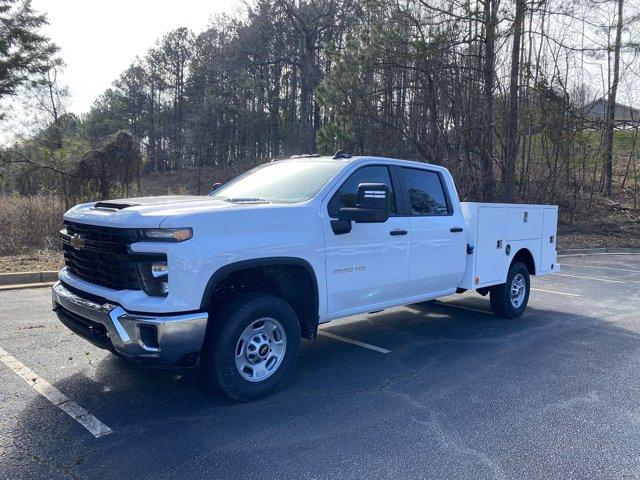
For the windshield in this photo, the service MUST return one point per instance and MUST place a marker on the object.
(280, 182)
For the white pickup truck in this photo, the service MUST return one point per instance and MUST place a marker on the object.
(235, 279)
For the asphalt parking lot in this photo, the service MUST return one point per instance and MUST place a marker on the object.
(441, 390)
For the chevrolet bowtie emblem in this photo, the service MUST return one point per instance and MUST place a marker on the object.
(77, 241)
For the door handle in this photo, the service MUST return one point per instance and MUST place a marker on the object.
(397, 232)
(456, 229)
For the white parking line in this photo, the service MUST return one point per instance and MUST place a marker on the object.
(55, 396)
(557, 293)
(602, 268)
(595, 278)
(354, 342)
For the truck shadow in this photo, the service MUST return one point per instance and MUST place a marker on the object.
(439, 354)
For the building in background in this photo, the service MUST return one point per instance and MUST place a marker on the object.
(625, 116)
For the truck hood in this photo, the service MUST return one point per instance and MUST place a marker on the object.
(147, 212)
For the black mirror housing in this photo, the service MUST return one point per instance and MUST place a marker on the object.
(373, 205)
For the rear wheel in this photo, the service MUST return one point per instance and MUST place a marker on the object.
(251, 347)
(509, 300)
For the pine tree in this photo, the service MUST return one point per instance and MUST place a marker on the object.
(25, 53)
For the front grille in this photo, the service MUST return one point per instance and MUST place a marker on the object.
(105, 258)
(120, 236)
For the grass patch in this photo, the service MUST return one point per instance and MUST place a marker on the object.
(29, 224)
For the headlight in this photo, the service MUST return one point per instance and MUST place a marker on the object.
(166, 234)
(154, 277)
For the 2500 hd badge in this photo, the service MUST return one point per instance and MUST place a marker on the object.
(349, 269)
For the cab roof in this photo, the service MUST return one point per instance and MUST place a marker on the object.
(357, 158)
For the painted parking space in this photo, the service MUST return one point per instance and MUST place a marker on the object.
(55, 396)
(614, 262)
(605, 268)
(353, 342)
(554, 292)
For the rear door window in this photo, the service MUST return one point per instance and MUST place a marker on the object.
(425, 192)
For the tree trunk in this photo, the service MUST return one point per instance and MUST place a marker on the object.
(511, 149)
(306, 96)
(490, 15)
(153, 154)
(607, 173)
(54, 113)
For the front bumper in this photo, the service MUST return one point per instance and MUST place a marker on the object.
(168, 340)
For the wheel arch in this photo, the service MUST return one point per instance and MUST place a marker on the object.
(291, 286)
(525, 256)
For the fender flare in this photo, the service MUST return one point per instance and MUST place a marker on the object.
(223, 272)
(530, 261)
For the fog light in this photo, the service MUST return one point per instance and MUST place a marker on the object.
(154, 277)
(149, 336)
(158, 269)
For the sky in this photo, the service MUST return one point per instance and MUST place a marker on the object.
(98, 39)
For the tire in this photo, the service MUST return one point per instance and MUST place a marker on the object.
(243, 338)
(502, 303)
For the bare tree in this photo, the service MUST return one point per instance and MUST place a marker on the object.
(611, 106)
(512, 117)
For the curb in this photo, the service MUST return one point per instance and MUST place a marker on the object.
(24, 286)
(22, 278)
(576, 252)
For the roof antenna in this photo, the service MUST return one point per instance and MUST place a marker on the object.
(341, 154)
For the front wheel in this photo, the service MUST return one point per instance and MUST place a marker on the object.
(509, 300)
(251, 347)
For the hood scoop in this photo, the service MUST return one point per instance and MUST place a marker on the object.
(114, 205)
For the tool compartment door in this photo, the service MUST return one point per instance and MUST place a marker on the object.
(524, 223)
(491, 261)
(549, 234)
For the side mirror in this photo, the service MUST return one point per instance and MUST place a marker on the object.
(215, 187)
(373, 205)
